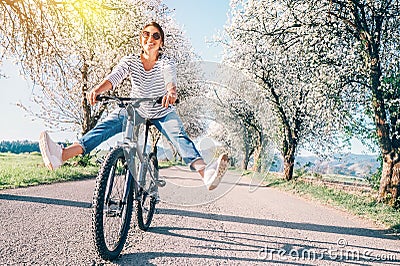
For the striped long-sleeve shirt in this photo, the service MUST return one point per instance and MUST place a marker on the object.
(145, 84)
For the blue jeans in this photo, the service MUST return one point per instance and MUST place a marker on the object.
(170, 126)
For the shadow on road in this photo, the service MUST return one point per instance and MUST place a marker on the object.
(255, 245)
(50, 201)
(274, 223)
(144, 258)
(236, 242)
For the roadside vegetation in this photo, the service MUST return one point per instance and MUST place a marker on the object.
(166, 164)
(28, 169)
(345, 193)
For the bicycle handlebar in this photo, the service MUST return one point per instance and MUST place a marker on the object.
(124, 100)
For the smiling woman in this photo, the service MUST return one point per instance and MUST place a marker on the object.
(152, 75)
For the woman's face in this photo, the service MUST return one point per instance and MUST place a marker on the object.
(150, 39)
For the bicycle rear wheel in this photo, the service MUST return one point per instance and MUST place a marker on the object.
(111, 213)
(145, 206)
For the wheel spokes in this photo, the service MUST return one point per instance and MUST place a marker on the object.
(114, 209)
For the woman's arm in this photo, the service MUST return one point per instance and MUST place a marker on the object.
(102, 87)
(171, 96)
(117, 75)
(169, 72)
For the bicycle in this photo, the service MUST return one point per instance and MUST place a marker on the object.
(127, 175)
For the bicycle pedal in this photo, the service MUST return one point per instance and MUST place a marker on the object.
(161, 183)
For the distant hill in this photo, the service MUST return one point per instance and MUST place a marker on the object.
(349, 164)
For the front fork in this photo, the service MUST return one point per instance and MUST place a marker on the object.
(131, 149)
(132, 172)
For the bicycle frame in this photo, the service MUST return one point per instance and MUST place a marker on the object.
(132, 147)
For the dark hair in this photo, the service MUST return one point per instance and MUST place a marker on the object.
(155, 24)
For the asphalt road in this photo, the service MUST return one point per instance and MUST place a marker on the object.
(240, 223)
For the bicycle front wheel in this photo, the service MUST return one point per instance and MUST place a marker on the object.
(112, 212)
(145, 206)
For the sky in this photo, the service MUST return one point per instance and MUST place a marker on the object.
(200, 20)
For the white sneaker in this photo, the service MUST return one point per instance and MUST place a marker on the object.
(215, 171)
(51, 151)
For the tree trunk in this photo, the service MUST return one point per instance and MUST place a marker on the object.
(87, 123)
(288, 152)
(176, 157)
(395, 189)
(389, 184)
(257, 159)
(389, 190)
(288, 167)
(257, 153)
(288, 158)
(245, 162)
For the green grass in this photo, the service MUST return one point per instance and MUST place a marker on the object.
(21, 170)
(166, 164)
(340, 178)
(362, 203)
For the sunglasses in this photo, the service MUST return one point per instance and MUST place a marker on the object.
(147, 34)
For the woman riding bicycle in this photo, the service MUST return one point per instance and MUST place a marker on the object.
(152, 74)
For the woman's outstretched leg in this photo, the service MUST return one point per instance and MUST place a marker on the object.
(54, 155)
(171, 126)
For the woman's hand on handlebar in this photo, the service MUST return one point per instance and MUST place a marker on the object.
(102, 87)
(91, 96)
(170, 97)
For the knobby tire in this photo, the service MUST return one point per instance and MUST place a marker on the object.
(114, 164)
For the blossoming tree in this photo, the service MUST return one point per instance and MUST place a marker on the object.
(68, 47)
(264, 39)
